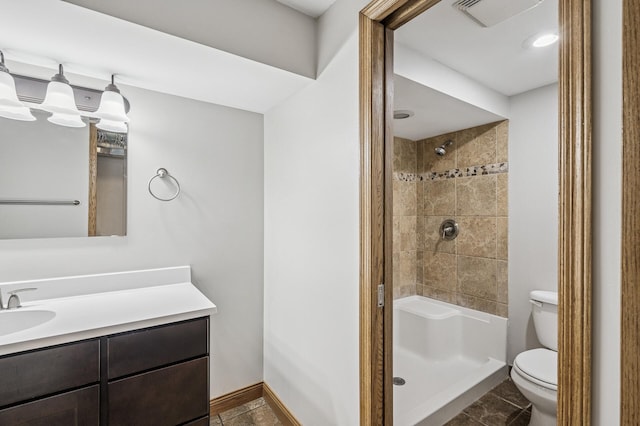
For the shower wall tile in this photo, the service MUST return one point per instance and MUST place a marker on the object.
(502, 151)
(476, 146)
(477, 236)
(404, 155)
(503, 238)
(404, 198)
(407, 237)
(429, 161)
(468, 184)
(476, 196)
(438, 197)
(439, 271)
(502, 193)
(436, 293)
(502, 273)
(432, 239)
(477, 303)
(477, 276)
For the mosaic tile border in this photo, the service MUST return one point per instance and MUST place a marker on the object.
(487, 169)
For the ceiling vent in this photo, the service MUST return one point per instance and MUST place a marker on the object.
(490, 12)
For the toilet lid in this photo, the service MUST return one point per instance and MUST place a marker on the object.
(540, 365)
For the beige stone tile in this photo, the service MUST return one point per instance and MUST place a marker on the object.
(215, 421)
(404, 198)
(477, 277)
(502, 274)
(419, 268)
(502, 310)
(503, 238)
(502, 151)
(400, 292)
(428, 161)
(408, 232)
(395, 262)
(432, 240)
(477, 146)
(261, 416)
(396, 234)
(420, 229)
(477, 236)
(407, 270)
(438, 294)
(244, 408)
(476, 196)
(502, 190)
(438, 197)
(439, 270)
(404, 155)
(477, 303)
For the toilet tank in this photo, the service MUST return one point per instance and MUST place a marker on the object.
(544, 305)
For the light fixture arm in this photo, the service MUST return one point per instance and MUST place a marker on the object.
(60, 78)
(112, 86)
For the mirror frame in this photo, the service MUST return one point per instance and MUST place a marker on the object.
(378, 20)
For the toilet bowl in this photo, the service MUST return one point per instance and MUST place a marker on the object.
(535, 372)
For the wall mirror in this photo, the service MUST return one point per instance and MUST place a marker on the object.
(420, 58)
(58, 181)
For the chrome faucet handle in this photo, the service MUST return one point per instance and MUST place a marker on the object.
(14, 300)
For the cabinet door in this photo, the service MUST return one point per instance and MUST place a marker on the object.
(143, 350)
(168, 396)
(76, 408)
(47, 371)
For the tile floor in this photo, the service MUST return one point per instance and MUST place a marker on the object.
(503, 405)
(254, 413)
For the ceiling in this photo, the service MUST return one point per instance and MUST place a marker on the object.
(313, 8)
(494, 57)
(156, 61)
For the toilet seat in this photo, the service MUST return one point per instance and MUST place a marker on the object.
(539, 366)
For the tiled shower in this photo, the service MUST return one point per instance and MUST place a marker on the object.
(470, 185)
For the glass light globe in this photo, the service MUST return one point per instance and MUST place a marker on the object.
(112, 126)
(59, 99)
(112, 107)
(67, 120)
(10, 106)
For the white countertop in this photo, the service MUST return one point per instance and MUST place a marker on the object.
(85, 316)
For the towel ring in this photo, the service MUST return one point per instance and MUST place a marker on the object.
(163, 173)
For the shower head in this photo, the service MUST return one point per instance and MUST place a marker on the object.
(441, 150)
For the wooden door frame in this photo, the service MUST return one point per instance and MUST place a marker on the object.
(630, 253)
(378, 20)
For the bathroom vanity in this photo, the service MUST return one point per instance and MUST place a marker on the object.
(96, 366)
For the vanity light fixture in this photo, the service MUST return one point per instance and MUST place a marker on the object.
(60, 102)
(10, 106)
(111, 112)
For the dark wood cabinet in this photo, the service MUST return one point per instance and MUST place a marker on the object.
(154, 376)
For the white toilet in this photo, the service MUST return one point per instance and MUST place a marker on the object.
(535, 372)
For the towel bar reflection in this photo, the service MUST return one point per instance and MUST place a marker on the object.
(163, 173)
(41, 202)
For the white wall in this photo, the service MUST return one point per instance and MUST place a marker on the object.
(248, 28)
(215, 225)
(311, 238)
(607, 178)
(533, 209)
(42, 161)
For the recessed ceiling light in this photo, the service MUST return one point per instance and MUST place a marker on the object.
(544, 40)
(401, 114)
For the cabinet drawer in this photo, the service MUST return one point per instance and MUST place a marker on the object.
(137, 351)
(77, 408)
(200, 422)
(168, 396)
(33, 374)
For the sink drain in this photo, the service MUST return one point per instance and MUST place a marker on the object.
(398, 381)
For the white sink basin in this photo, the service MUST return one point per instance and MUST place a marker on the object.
(14, 320)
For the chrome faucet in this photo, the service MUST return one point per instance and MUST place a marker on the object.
(14, 300)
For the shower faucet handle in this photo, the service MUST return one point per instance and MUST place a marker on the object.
(449, 229)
